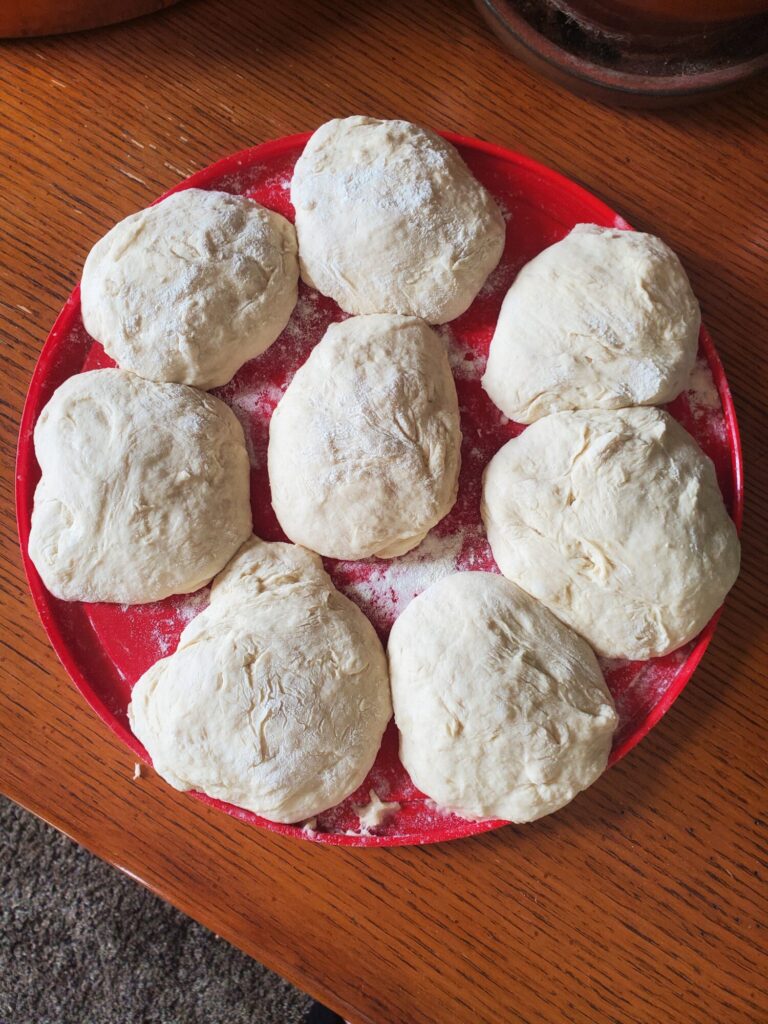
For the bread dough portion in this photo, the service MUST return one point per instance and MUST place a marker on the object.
(145, 489)
(502, 710)
(602, 319)
(376, 811)
(364, 446)
(190, 289)
(616, 522)
(390, 220)
(277, 696)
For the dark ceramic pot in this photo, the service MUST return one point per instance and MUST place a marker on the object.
(636, 52)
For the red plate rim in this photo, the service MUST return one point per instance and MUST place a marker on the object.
(42, 598)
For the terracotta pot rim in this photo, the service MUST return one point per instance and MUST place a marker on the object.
(522, 33)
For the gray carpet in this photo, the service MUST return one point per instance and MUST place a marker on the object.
(82, 944)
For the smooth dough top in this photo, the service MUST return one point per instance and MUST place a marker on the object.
(616, 522)
(602, 319)
(390, 220)
(277, 696)
(364, 446)
(190, 289)
(145, 489)
(502, 710)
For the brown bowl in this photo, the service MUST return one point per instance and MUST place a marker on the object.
(50, 17)
(640, 53)
(666, 16)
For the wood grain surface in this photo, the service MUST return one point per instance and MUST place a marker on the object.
(645, 900)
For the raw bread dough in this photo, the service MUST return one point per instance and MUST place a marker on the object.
(390, 220)
(616, 522)
(364, 447)
(190, 289)
(502, 710)
(376, 811)
(277, 696)
(144, 489)
(603, 319)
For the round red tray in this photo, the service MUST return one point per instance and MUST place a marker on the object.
(105, 648)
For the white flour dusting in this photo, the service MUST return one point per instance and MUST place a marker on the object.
(308, 323)
(647, 685)
(189, 606)
(702, 392)
(377, 185)
(506, 212)
(257, 400)
(499, 280)
(165, 633)
(466, 363)
(240, 181)
(393, 583)
(643, 380)
(163, 641)
(705, 404)
(611, 665)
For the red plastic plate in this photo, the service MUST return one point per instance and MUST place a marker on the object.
(105, 648)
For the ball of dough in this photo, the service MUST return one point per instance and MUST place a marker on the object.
(190, 289)
(616, 522)
(145, 489)
(502, 710)
(603, 319)
(390, 220)
(277, 696)
(364, 446)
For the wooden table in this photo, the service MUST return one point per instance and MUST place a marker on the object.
(645, 899)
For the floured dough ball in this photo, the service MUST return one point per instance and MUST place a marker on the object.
(603, 319)
(190, 289)
(502, 710)
(145, 489)
(364, 447)
(390, 220)
(277, 696)
(616, 522)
